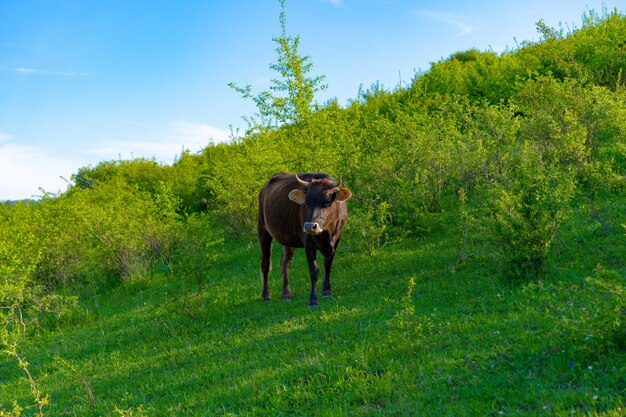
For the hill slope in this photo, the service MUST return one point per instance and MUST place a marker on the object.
(411, 332)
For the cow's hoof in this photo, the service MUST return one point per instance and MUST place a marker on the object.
(266, 298)
(313, 305)
(328, 296)
(287, 299)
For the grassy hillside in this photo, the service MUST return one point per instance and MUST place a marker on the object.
(482, 270)
(412, 331)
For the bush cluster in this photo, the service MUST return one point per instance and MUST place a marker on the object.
(524, 134)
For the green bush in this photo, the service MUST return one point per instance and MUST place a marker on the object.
(129, 229)
(368, 228)
(526, 210)
(20, 253)
(195, 249)
(110, 228)
(144, 174)
(20, 295)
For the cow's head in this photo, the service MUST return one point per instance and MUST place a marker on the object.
(318, 195)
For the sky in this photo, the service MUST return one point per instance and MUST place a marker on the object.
(85, 81)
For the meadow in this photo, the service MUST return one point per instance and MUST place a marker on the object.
(409, 332)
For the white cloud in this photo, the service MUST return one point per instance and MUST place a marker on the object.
(24, 170)
(180, 135)
(114, 149)
(260, 82)
(447, 18)
(197, 132)
(35, 71)
(5, 137)
(336, 3)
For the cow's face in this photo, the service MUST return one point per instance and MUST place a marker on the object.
(319, 197)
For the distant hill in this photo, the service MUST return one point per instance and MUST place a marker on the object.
(12, 203)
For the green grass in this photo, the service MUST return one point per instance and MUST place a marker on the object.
(409, 333)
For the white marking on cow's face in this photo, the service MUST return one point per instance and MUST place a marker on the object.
(319, 216)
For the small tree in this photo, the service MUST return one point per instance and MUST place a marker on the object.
(290, 98)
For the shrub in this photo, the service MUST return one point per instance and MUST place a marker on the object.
(194, 251)
(112, 227)
(20, 254)
(525, 211)
(368, 227)
(144, 174)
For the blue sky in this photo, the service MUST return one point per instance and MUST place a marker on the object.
(82, 81)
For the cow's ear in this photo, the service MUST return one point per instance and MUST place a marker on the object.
(343, 194)
(297, 196)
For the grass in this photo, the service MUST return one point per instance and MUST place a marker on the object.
(410, 332)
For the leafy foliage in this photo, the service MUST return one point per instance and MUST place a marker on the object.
(525, 212)
(296, 91)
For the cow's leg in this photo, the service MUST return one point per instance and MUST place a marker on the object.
(314, 273)
(265, 241)
(285, 263)
(328, 263)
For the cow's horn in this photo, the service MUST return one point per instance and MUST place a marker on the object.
(302, 182)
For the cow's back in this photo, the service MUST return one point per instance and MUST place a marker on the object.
(279, 216)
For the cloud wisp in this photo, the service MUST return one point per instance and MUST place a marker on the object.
(35, 71)
(178, 136)
(197, 132)
(448, 19)
(5, 137)
(336, 3)
(26, 170)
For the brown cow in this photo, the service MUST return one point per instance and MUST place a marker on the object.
(301, 211)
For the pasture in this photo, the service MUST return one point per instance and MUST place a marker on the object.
(410, 332)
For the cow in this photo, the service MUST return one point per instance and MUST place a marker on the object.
(301, 211)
